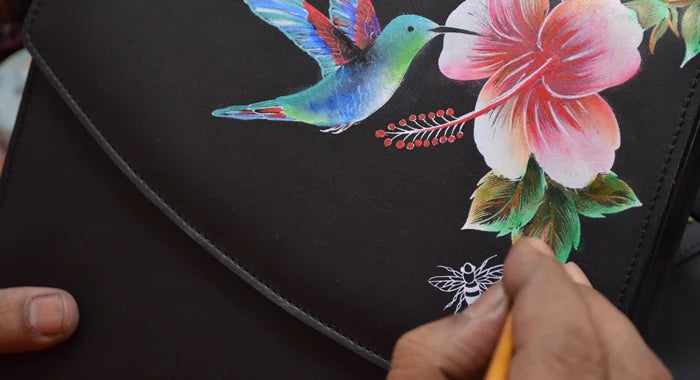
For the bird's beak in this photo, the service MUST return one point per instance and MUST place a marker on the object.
(449, 29)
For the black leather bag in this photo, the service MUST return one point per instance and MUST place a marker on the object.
(207, 247)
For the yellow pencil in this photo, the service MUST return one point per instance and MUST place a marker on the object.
(500, 362)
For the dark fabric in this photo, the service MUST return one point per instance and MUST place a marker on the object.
(153, 305)
(340, 232)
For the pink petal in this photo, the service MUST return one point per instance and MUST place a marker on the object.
(500, 137)
(596, 41)
(508, 29)
(573, 139)
(500, 134)
(518, 20)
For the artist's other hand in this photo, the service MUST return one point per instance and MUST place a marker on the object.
(562, 329)
(33, 319)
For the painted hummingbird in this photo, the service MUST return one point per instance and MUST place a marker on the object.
(362, 67)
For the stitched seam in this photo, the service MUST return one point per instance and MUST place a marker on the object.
(199, 234)
(659, 187)
(15, 139)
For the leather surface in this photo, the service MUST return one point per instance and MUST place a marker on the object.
(152, 304)
(673, 330)
(690, 245)
(338, 230)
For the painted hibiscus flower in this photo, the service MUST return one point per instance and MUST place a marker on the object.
(545, 71)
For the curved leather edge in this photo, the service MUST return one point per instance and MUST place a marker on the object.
(160, 203)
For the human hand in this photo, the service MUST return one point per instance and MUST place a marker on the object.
(562, 329)
(33, 319)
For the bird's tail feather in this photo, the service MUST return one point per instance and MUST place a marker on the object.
(268, 110)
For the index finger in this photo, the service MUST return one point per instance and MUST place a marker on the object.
(553, 332)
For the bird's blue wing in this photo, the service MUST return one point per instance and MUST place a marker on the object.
(309, 29)
(357, 19)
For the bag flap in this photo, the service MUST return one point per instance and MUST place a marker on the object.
(361, 241)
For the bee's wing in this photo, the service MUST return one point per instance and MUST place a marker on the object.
(483, 265)
(496, 270)
(452, 271)
(447, 284)
(459, 296)
(489, 277)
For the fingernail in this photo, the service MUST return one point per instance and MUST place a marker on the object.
(492, 301)
(576, 274)
(45, 314)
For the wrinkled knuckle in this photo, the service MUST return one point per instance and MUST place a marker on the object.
(584, 366)
(419, 348)
(574, 336)
(577, 355)
(405, 342)
(467, 353)
(411, 353)
(412, 345)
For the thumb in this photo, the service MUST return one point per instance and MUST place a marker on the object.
(456, 347)
(32, 319)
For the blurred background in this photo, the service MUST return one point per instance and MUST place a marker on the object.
(14, 66)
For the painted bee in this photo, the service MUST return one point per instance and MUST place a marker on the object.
(468, 283)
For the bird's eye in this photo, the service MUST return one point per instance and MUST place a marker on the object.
(410, 29)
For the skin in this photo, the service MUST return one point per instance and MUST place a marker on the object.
(562, 329)
(33, 319)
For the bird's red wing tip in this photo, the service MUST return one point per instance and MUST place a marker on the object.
(271, 112)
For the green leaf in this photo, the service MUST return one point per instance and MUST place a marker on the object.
(656, 34)
(501, 205)
(649, 12)
(556, 222)
(673, 21)
(690, 30)
(606, 195)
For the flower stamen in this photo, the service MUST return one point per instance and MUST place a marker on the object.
(450, 126)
